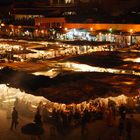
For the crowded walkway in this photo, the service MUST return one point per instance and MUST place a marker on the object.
(96, 129)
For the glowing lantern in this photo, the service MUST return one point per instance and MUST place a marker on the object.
(131, 30)
(66, 29)
(110, 29)
(91, 29)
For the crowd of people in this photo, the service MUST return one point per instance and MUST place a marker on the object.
(63, 121)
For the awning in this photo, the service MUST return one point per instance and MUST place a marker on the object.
(72, 87)
(118, 32)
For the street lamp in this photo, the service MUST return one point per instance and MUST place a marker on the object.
(2, 24)
(131, 31)
(91, 29)
(66, 29)
(110, 30)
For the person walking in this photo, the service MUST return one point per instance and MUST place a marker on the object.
(37, 118)
(129, 129)
(38, 123)
(122, 111)
(14, 118)
(121, 127)
(84, 121)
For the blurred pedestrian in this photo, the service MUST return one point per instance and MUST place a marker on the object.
(84, 121)
(37, 118)
(14, 118)
(110, 117)
(38, 122)
(122, 111)
(121, 127)
(128, 129)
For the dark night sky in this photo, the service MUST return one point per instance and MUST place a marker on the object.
(5, 1)
(115, 7)
(9, 1)
(105, 1)
(120, 6)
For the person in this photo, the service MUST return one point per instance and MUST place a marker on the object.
(14, 118)
(129, 129)
(37, 118)
(84, 121)
(122, 111)
(38, 122)
(121, 127)
(110, 117)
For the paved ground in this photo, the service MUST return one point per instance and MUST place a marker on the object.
(95, 129)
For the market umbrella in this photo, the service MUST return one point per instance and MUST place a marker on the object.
(114, 31)
(75, 91)
(72, 87)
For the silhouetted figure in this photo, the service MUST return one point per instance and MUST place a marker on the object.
(37, 118)
(14, 118)
(77, 118)
(128, 129)
(84, 121)
(110, 117)
(121, 127)
(38, 122)
(122, 111)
